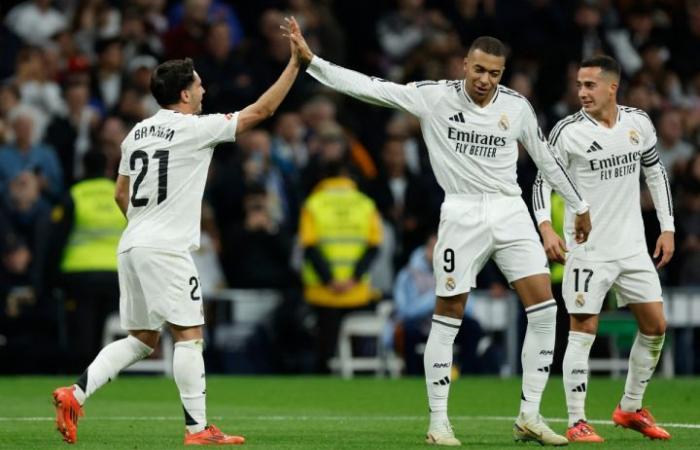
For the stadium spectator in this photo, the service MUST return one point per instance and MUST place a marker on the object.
(400, 197)
(107, 76)
(289, 149)
(35, 21)
(257, 252)
(231, 82)
(94, 20)
(689, 225)
(187, 38)
(340, 230)
(35, 86)
(674, 151)
(70, 133)
(30, 159)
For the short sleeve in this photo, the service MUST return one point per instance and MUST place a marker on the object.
(124, 162)
(212, 129)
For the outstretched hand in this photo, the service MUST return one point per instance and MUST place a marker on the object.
(300, 49)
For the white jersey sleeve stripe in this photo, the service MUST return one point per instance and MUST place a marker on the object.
(556, 132)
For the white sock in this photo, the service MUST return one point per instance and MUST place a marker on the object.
(437, 361)
(537, 355)
(575, 371)
(188, 370)
(644, 355)
(111, 360)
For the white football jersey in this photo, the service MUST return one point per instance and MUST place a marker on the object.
(166, 158)
(472, 149)
(605, 164)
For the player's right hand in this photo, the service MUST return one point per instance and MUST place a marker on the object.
(300, 48)
(582, 227)
(554, 246)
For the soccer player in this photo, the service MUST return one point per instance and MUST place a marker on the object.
(604, 146)
(163, 170)
(471, 128)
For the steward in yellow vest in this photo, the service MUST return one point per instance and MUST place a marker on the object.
(97, 226)
(94, 224)
(340, 232)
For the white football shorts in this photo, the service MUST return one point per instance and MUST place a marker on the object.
(586, 283)
(474, 228)
(158, 286)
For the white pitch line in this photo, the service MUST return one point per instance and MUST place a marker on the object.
(326, 418)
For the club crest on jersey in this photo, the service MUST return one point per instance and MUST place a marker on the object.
(634, 137)
(450, 284)
(503, 124)
(580, 301)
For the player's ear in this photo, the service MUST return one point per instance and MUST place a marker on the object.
(185, 96)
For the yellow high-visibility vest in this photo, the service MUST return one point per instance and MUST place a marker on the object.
(97, 226)
(341, 222)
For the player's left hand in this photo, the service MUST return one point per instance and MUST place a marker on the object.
(665, 246)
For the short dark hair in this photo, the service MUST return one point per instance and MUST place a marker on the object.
(171, 78)
(490, 45)
(606, 64)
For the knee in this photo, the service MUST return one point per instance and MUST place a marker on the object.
(450, 307)
(657, 328)
(584, 323)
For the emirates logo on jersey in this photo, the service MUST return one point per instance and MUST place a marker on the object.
(504, 124)
(634, 137)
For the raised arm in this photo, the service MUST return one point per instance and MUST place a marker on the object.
(267, 104)
(362, 87)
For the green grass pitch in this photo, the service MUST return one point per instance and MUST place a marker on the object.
(327, 413)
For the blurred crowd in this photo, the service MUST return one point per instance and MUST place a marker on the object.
(74, 79)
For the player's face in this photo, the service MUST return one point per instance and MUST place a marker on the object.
(196, 93)
(483, 73)
(596, 90)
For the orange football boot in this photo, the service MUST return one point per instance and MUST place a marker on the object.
(640, 420)
(582, 431)
(211, 435)
(68, 410)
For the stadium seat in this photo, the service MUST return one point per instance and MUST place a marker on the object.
(161, 361)
(366, 324)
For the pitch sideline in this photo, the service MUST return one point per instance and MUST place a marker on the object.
(327, 418)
